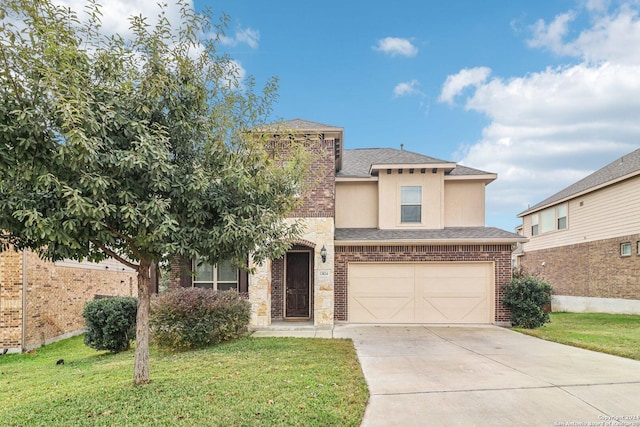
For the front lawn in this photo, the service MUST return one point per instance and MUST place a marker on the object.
(248, 382)
(617, 334)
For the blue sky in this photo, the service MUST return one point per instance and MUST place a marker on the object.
(540, 92)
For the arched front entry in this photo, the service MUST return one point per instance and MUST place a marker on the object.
(297, 284)
(292, 284)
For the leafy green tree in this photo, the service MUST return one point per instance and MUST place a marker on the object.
(135, 148)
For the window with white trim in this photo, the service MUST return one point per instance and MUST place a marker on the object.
(411, 204)
(561, 220)
(222, 276)
(625, 249)
(550, 219)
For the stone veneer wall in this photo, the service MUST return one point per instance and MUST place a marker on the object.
(592, 269)
(499, 254)
(317, 232)
(55, 298)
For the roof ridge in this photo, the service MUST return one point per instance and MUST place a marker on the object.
(612, 171)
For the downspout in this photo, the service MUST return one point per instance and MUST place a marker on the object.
(24, 300)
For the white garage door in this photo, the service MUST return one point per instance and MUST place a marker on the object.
(420, 293)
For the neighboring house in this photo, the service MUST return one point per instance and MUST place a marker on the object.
(390, 236)
(585, 240)
(41, 301)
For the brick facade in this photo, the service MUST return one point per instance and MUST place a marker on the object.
(591, 269)
(55, 297)
(277, 289)
(10, 299)
(319, 189)
(499, 254)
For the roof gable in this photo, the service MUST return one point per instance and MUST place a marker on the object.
(626, 165)
(358, 162)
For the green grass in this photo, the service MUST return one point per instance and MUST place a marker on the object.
(248, 382)
(617, 334)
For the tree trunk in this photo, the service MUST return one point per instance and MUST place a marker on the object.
(141, 364)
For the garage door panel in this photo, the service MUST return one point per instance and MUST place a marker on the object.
(455, 310)
(371, 309)
(387, 270)
(421, 293)
(382, 285)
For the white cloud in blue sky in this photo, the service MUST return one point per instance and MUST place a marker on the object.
(543, 123)
(407, 89)
(456, 83)
(247, 36)
(395, 46)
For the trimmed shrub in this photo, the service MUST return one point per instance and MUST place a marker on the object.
(526, 296)
(111, 323)
(188, 318)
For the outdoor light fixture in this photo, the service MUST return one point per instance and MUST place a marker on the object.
(323, 254)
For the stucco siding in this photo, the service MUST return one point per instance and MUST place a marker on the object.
(357, 204)
(464, 204)
(606, 213)
(432, 198)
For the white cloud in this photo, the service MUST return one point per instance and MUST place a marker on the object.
(116, 14)
(247, 36)
(396, 46)
(551, 35)
(455, 84)
(612, 37)
(551, 128)
(407, 88)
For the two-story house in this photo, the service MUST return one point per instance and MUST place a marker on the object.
(585, 240)
(390, 236)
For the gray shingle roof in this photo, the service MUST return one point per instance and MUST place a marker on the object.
(625, 165)
(302, 124)
(357, 162)
(475, 234)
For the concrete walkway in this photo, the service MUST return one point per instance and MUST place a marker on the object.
(486, 375)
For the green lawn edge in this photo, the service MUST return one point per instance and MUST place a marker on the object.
(617, 334)
(246, 382)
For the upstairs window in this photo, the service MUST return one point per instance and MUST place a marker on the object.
(550, 219)
(562, 217)
(411, 204)
(222, 276)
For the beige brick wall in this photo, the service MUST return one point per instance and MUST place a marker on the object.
(55, 298)
(591, 269)
(10, 299)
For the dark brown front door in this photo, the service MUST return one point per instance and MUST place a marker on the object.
(297, 287)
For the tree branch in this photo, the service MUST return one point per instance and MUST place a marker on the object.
(115, 256)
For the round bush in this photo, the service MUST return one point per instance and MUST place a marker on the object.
(188, 318)
(111, 323)
(526, 297)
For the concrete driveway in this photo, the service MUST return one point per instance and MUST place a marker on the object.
(486, 375)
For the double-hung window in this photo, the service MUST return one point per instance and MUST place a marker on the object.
(550, 219)
(222, 276)
(411, 204)
(562, 217)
